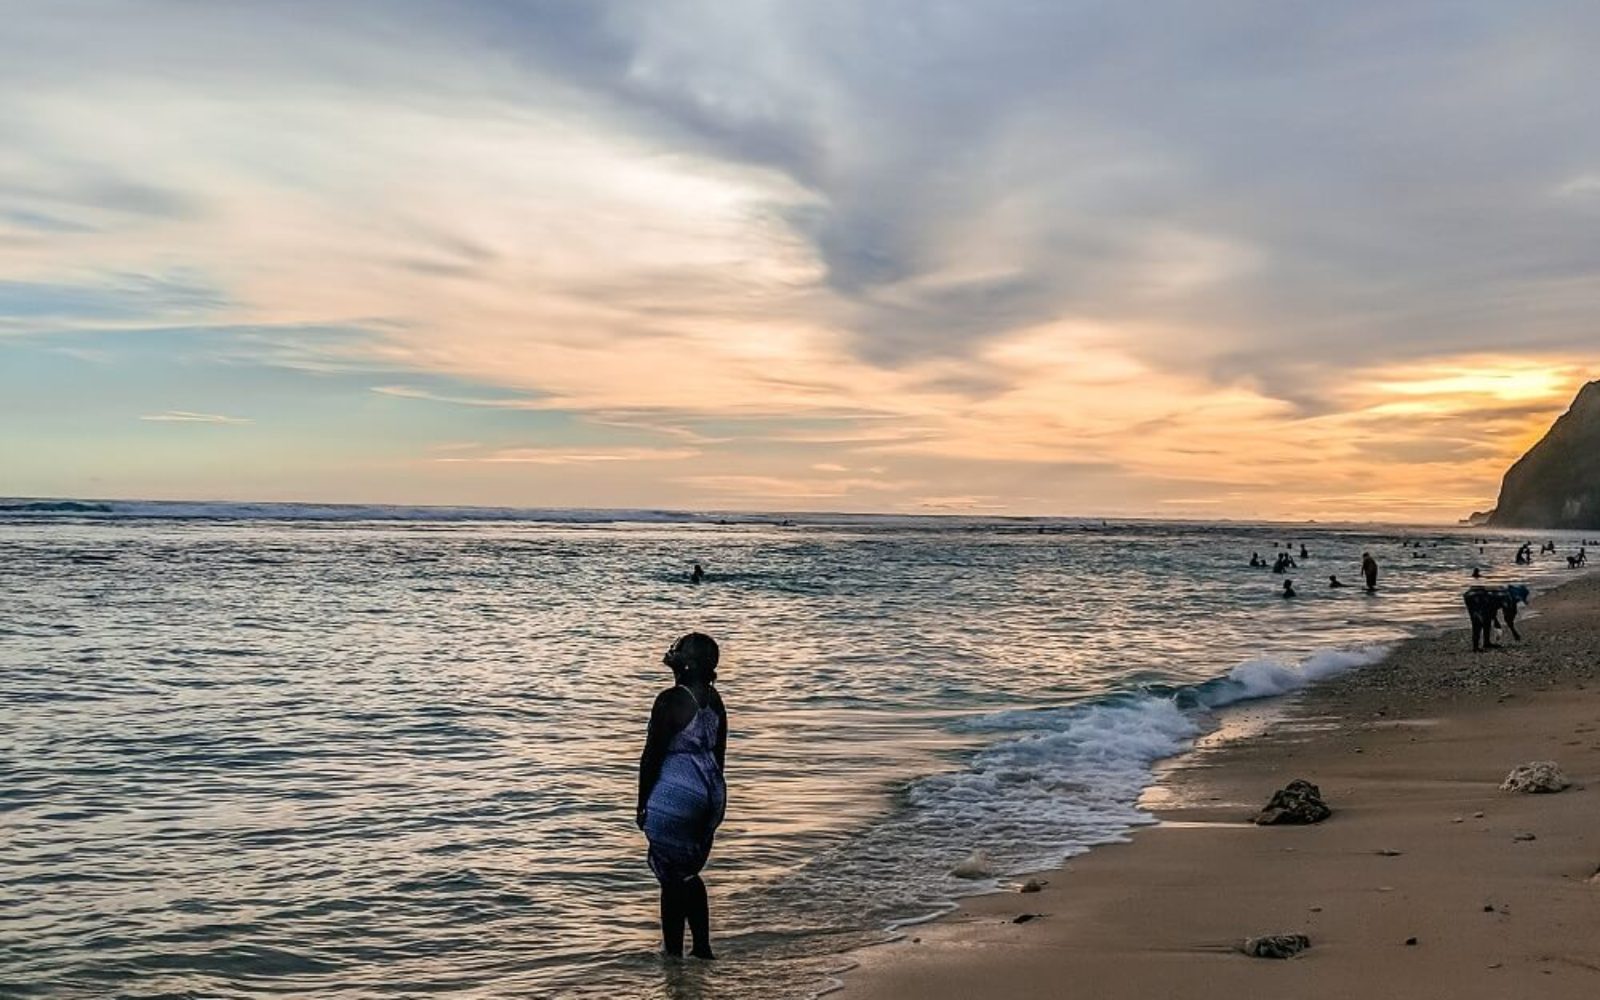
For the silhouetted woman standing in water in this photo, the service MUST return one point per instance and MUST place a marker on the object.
(681, 790)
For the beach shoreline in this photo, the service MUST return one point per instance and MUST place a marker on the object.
(1428, 881)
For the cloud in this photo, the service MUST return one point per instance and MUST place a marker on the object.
(106, 298)
(1133, 162)
(1584, 186)
(187, 417)
(770, 489)
(963, 503)
(561, 456)
(412, 392)
(43, 222)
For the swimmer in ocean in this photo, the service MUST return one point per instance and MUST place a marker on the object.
(1333, 580)
(1288, 589)
(697, 575)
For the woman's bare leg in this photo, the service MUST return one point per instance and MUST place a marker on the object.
(672, 916)
(698, 910)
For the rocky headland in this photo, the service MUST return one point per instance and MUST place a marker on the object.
(1557, 483)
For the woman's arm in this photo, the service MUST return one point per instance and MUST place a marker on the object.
(656, 740)
(664, 725)
(722, 735)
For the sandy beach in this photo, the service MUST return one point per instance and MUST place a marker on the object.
(1427, 881)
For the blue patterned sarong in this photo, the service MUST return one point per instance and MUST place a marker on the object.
(687, 802)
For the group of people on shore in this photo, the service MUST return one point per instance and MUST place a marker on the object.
(1577, 560)
(1486, 606)
(1369, 566)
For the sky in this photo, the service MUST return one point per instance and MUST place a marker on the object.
(1232, 259)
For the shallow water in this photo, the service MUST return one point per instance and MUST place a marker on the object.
(352, 758)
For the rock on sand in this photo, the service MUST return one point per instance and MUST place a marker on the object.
(1275, 945)
(1297, 802)
(1535, 777)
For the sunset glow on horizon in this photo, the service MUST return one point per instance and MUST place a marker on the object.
(922, 258)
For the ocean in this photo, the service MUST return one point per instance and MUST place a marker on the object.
(358, 752)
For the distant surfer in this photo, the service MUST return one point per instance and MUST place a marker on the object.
(697, 575)
(1369, 571)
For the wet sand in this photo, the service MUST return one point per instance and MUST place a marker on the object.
(1493, 887)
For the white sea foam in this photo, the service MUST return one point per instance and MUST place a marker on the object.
(1270, 678)
(1026, 802)
(1070, 777)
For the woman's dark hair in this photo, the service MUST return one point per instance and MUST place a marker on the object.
(693, 657)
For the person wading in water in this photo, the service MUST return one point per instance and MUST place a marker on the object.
(682, 795)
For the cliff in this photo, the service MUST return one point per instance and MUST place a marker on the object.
(1557, 483)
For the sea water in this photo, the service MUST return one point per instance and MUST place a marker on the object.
(254, 751)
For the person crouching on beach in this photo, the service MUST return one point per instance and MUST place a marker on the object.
(682, 795)
(1485, 606)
